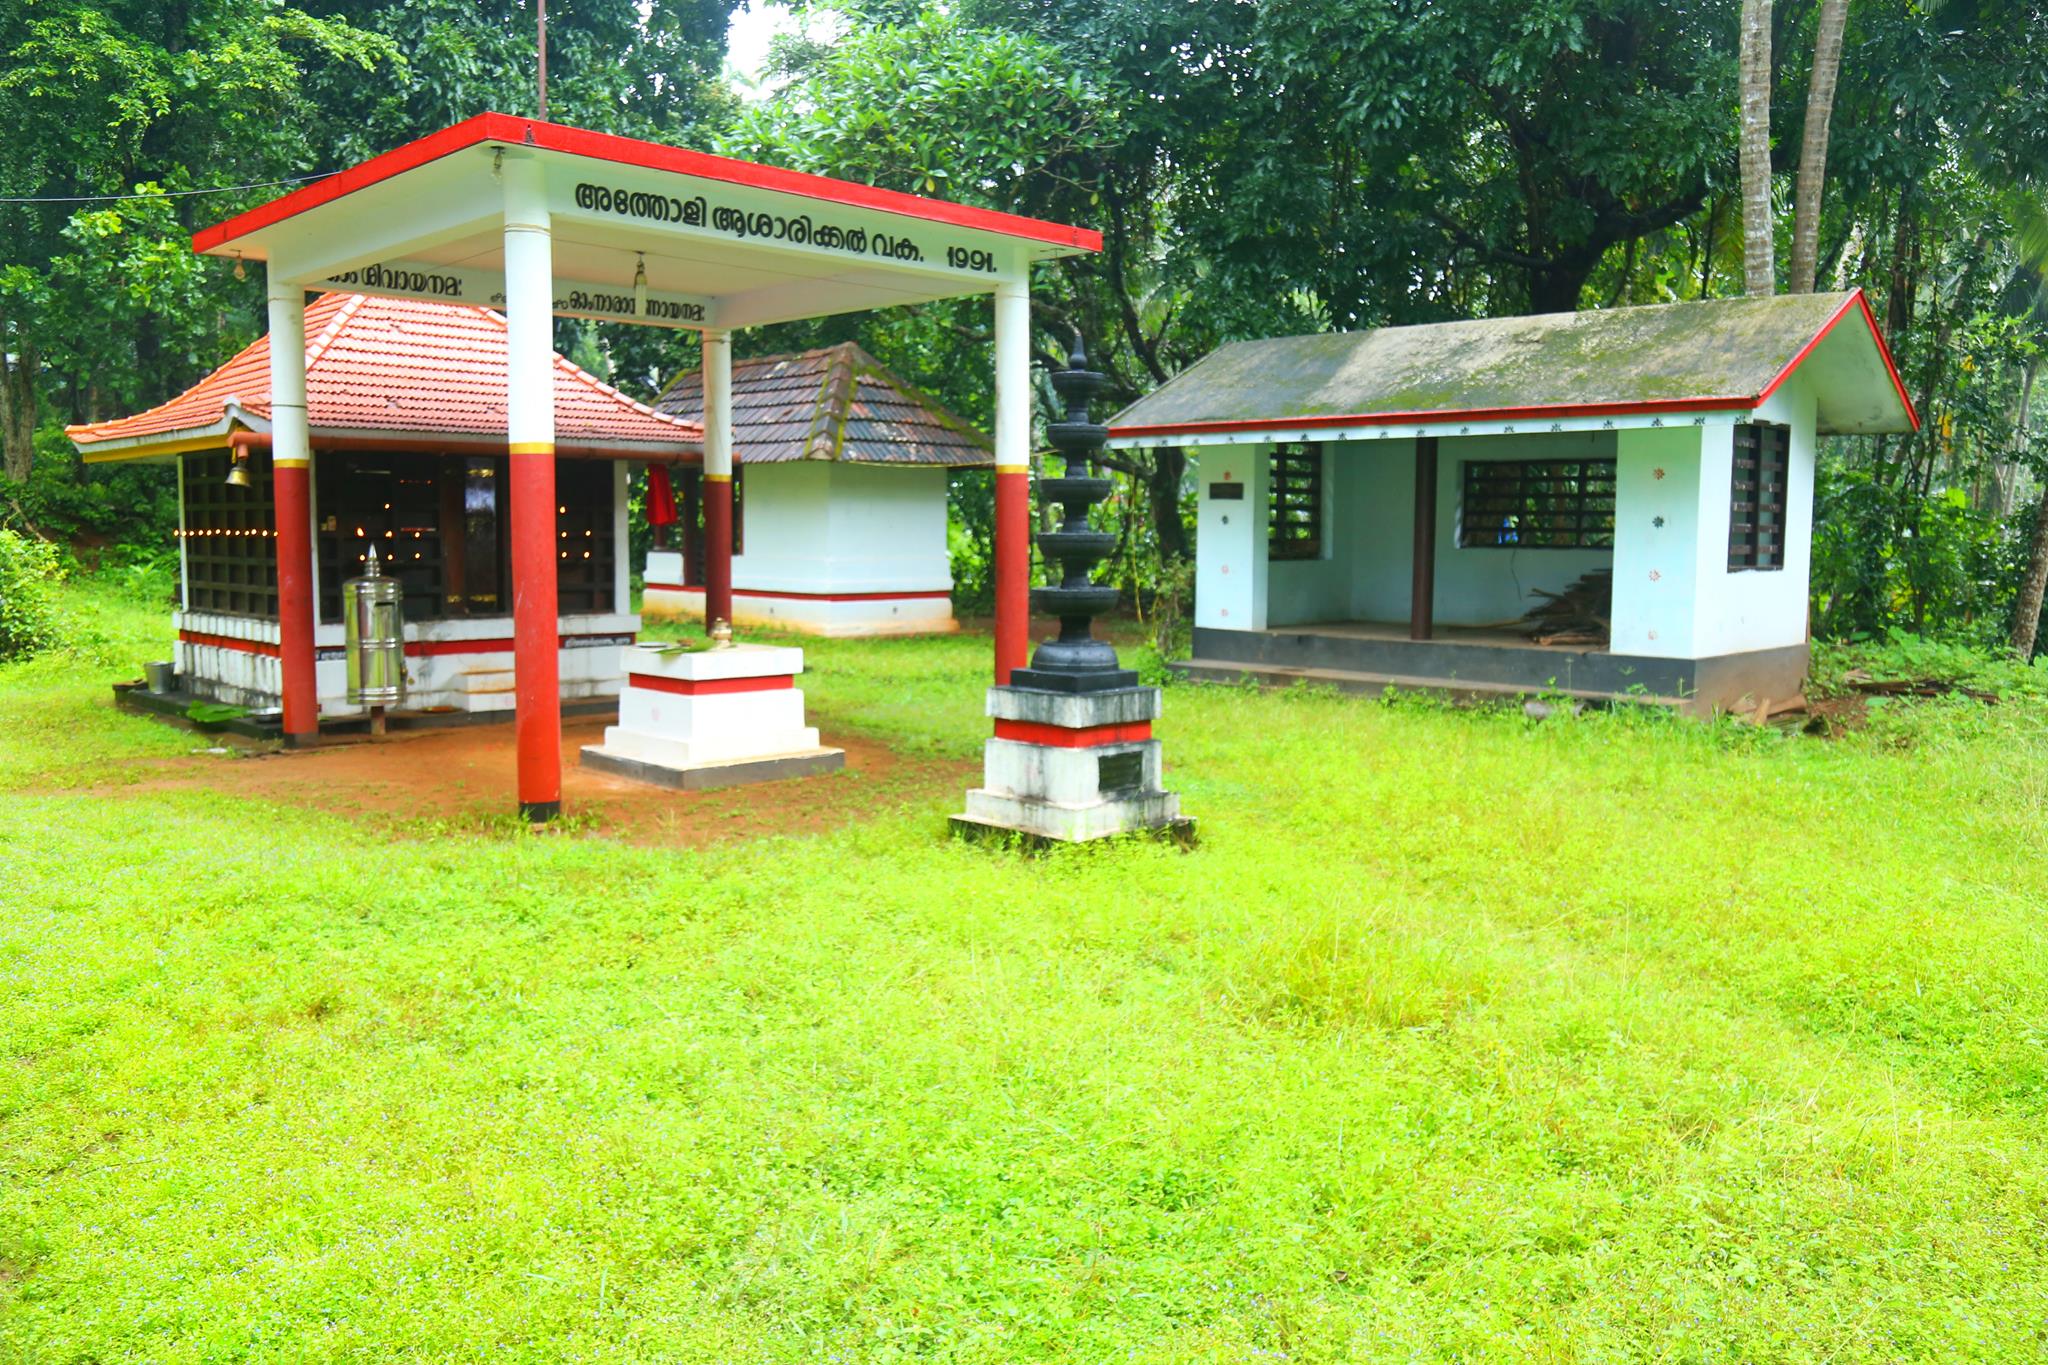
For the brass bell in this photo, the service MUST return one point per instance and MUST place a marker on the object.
(238, 473)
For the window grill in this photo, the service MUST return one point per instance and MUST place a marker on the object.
(440, 525)
(1538, 505)
(230, 537)
(583, 574)
(1757, 496)
(1294, 496)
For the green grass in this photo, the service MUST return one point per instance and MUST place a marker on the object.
(1460, 1037)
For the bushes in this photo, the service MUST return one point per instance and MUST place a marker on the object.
(30, 620)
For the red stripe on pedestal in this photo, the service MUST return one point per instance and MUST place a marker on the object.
(709, 687)
(1060, 737)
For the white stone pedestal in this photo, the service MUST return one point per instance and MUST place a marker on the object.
(712, 718)
(1067, 767)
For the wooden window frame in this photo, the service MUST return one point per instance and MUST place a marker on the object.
(230, 537)
(1294, 501)
(1759, 494)
(1553, 504)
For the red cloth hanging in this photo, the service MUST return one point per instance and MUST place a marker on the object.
(661, 497)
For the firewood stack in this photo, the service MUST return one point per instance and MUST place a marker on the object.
(1580, 615)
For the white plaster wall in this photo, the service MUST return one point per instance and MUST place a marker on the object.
(1674, 595)
(1659, 476)
(1304, 590)
(1482, 586)
(1760, 608)
(815, 527)
(1368, 538)
(1230, 538)
(1380, 523)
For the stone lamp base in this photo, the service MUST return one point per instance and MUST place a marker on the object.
(712, 718)
(1068, 767)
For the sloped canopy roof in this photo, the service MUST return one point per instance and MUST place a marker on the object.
(719, 243)
(1715, 355)
(838, 403)
(392, 369)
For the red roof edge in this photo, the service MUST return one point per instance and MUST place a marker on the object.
(634, 152)
(1378, 419)
(1856, 302)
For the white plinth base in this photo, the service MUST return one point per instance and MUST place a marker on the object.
(1070, 767)
(711, 718)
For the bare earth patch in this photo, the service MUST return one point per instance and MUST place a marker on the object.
(463, 776)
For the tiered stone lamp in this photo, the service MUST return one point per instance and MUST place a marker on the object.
(712, 717)
(1073, 756)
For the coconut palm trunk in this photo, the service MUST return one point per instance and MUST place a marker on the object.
(1759, 269)
(1813, 147)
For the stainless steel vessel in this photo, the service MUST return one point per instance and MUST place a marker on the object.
(373, 629)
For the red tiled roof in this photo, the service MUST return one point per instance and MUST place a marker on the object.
(399, 366)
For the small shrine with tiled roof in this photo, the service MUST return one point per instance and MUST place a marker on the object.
(841, 475)
(405, 404)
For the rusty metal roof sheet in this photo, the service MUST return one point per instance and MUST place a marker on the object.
(1719, 353)
(837, 403)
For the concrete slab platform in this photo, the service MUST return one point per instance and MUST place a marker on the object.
(708, 776)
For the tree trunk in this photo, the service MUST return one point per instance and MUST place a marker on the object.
(1169, 464)
(1813, 147)
(17, 404)
(1759, 271)
(2026, 615)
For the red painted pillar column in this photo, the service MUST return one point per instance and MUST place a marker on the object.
(1012, 549)
(292, 508)
(533, 516)
(717, 478)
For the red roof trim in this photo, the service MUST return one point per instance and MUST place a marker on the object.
(633, 152)
(1856, 300)
(1381, 419)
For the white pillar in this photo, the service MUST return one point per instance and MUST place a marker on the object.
(1013, 376)
(718, 404)
(529, 308)
(289, 442)
(718, 508)
(1012, 549)
(530, 440)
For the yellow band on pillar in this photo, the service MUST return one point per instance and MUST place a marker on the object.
(290, 464)
(1013, 469)
(718, 478)
(531, 447)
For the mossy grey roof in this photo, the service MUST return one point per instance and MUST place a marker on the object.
(1720, 353)
(836, 403)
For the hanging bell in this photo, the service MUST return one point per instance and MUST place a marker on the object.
(238, 473)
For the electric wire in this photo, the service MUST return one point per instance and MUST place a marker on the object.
(161, 194)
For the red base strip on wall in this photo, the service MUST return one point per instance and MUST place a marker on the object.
(809, 596)
(1058, 736)
(200, 637)
(709, 687)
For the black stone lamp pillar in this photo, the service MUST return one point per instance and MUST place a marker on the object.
(1075, 661)
(1073, 757)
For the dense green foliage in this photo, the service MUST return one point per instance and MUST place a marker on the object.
(1660, 1057)
(30, 619)
(1287, 166)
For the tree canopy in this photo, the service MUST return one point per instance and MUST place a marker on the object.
(1290, 166)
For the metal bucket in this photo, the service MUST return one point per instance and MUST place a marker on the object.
(163, 677)
(373, 629)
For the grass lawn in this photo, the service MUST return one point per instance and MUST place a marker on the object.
(1461, 1036)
